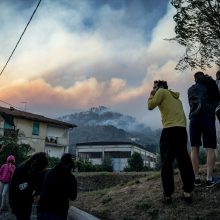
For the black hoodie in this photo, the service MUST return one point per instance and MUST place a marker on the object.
(58, 188)
(203, 98)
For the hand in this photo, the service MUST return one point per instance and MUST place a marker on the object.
(152, 93)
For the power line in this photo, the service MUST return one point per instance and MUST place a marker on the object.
(10, 104)
(20, 38)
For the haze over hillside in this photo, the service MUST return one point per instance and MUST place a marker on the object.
(101, 124)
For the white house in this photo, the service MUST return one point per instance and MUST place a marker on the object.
(41, 133)
(118, 151)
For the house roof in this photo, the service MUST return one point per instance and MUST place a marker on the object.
(105, 143)
(12, 112)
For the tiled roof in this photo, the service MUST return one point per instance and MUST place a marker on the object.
(33, 117)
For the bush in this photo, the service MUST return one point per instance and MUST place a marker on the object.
(87, 166)
(98, 168)
(135, 163)
(107, 164)
(19, 151)
(146, 168)
(52, 161)
(10, 145)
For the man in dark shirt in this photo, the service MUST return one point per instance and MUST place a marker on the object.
(203, 99)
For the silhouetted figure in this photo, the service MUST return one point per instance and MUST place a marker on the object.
(58, 188)
(203, 99)
(23, 184)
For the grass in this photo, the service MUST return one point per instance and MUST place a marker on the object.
(106, 200)
(141, 199)
(143, 205)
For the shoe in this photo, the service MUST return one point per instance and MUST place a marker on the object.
(197, 182)
(187, 198)
(167, 200)
(210, 183)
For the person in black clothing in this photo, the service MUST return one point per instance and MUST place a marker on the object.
(39, 183)
(217, 111)
(58, 188)
(203, 99)
(23, 184)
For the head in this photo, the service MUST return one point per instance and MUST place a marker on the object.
(11, 159)
(218, 75)
(198, 76)
(160, 84)
(67, 161)
(38, 162)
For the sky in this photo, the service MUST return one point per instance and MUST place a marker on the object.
(78, 54)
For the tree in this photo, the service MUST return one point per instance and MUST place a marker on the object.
(198, 30)
(136, 162)
(107, 164)
(85, 165)
(9, 145)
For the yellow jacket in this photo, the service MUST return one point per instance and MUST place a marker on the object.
(170, 106)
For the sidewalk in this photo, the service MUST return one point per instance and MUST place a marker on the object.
(74, 214)
(7, 216)
(10, 216)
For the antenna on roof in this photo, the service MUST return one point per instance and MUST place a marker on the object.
(9, 104)
(25, 106)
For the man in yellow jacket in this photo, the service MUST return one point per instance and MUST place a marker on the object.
(173, 140)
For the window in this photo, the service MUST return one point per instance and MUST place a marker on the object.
(118, 154)
(36, 128)
(92, 155)
(8, 129)
(7, 125)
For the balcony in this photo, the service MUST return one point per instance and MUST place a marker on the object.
(56, 141)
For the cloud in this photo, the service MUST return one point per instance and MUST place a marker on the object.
(75, 36)
(80, 54)
(80, 94)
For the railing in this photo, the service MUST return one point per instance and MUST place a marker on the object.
(56, 140)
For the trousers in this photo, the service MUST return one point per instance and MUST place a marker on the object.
(173, 146)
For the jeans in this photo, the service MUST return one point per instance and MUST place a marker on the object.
(4, 194)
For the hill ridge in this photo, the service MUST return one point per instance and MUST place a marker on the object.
(102, 124)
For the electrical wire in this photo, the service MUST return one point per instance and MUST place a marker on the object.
(20, 38)
(10, 104)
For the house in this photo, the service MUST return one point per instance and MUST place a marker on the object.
(41, 133)
(119, 152)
